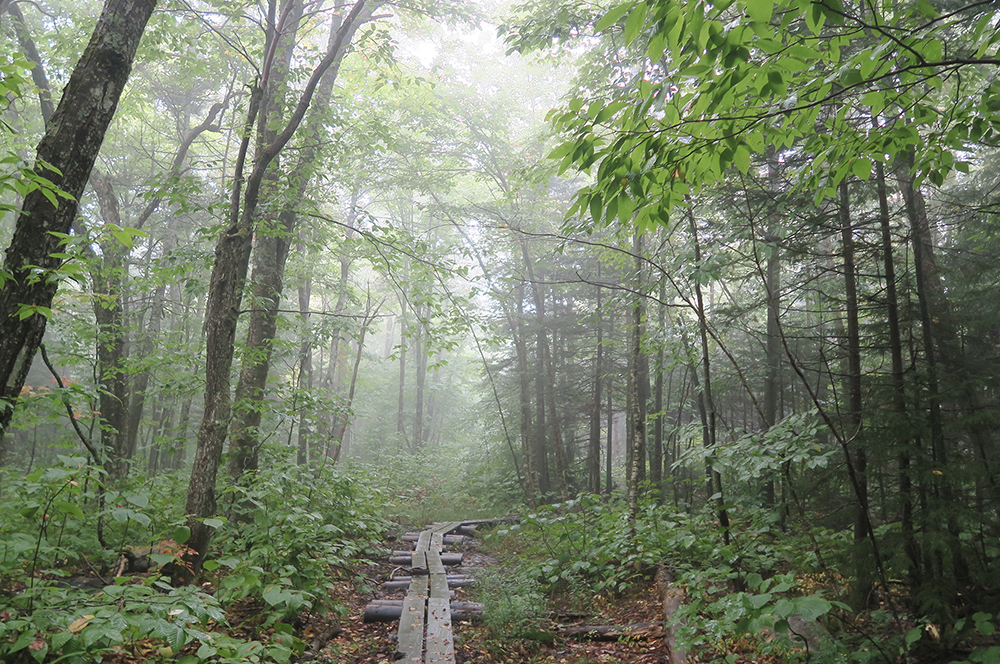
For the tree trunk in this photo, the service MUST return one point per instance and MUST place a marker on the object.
(864, 579)
(339, 438)
(636, 400)
(772, 287)
(656, 458)
(924, 268)
(65, 156)
(544, 389)
(108, 275)
(269, 256)
(305, 370)
(594, 444)
(524, 400)
(898, 383)
(610, 439)
(714, 478)
(420, 360)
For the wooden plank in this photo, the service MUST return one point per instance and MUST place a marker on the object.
(437, 542)
(410, 644)
(446, 527)
(434, 563)
(418, 561)
(424, 541)
(440, 641)
(439, 586)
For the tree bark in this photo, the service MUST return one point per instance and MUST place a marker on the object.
(72, 140)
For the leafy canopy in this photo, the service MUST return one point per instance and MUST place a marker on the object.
(717, 83)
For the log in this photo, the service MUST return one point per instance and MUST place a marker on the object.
(401, 553)
(448, 539)
(387, 610)
(466, 530)
(650, 630)
(404, 588)
(449, 559)
(672, 598)
(455, 581)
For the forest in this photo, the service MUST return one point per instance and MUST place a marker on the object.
(702, 299)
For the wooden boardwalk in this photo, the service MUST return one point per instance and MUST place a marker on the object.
(425, 634)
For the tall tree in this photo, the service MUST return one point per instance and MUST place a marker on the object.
(64, 158)
(232, 257)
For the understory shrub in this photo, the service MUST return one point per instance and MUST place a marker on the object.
(287, 534)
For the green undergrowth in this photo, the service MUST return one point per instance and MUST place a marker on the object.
(515, 609)
(281, 542)
(763, 588)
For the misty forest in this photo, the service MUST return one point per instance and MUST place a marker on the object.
(676, 325)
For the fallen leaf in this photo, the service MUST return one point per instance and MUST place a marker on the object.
(78, 624)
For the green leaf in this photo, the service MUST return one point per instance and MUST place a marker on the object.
(273, 595)
(760, 10)
(182, 534)
(68, 508)
(636, 21)
(612, 16)
(862, 168)
(913, 636)
(214, 523)
(926, 9)
(741, 158)
(811, 607)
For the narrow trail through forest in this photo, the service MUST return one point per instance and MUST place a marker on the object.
(421, 612)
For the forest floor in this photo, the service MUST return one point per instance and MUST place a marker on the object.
(361, 643)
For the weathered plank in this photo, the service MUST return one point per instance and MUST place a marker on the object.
(435, 561)
(440, 641)
(410, 644)
(424, 541)
(445, 527)
(418, 561)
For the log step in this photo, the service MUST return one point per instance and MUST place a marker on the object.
(448, 539)
(404, 582)
(448, 559)
(388, 610)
